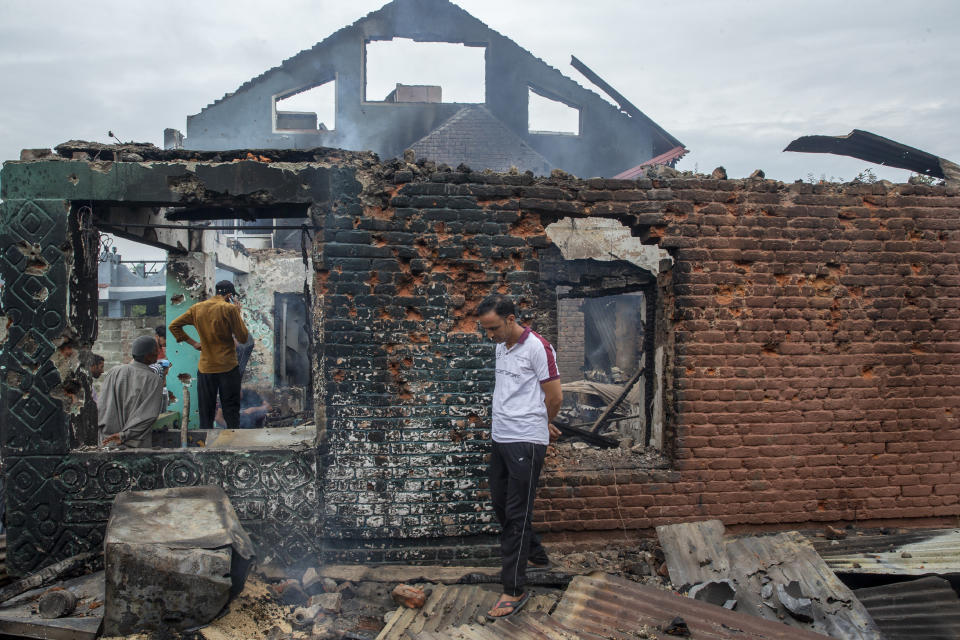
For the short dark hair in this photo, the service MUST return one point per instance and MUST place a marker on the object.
(498, 303)
(225, 287)
(161, 331)
(88, 359)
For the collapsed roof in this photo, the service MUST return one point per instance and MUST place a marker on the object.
(609, 138)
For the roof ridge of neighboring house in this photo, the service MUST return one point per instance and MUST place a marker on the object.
(466, 110)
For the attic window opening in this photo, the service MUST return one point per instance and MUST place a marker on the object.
(310, 109)
(403, 70)
(551, 116)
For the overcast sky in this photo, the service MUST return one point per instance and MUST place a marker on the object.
(735, 81)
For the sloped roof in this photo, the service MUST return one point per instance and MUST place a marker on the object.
(475, 137)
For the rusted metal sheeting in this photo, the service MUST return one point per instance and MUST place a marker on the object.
(526, 626)
(911, 554)
(449, 606)
(612, 607)
(760, 568)
(923, 609)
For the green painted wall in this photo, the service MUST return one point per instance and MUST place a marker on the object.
(182, 356)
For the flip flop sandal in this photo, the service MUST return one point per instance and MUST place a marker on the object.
(516, 604)
(536, 565)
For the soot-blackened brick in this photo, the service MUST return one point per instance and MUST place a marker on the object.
(811, 334)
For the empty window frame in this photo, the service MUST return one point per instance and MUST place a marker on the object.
(313, 108)
(403, 70)
(605, 343)
(547, 113)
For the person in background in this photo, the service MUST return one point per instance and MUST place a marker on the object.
(220, 326)
(253, 411)
(93, 363)
(243, 354)
(160, 334)
(130, 399)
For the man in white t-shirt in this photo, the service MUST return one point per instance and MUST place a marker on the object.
(526, 398)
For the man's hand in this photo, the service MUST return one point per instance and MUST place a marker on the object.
(196, 345)
(554, 432)
(112, 440)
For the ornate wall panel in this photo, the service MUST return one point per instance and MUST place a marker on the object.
(59, 506)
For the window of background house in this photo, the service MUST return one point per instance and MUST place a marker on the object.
(549, 115)
(310, 109)
(402, 70)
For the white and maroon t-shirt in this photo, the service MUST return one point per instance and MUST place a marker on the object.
(519, 414)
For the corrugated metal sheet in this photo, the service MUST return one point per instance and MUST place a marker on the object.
(616, 608)
(872, 148)
(913, 554)
(603, 607)
(923, 609)
(664, 158)
(758, 565)
(528, 626)
(450, 606)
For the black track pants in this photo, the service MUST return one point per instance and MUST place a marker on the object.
(514, 471)
(227, 384)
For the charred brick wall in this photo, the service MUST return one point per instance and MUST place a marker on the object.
(810, 336)
(406, 376)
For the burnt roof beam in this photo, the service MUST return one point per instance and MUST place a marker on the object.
(864, 145)
(625, 105)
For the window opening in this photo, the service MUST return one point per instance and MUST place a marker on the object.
(311, 109)
(548, 115)
(131, 279)
(403, 70)
(276, 392)
(604, 342)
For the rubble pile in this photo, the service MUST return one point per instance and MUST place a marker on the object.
(580, 455)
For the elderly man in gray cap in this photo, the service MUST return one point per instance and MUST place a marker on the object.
(131, 398)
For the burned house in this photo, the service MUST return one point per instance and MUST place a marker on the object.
(797, 361)
(494, 133)
(784, 355)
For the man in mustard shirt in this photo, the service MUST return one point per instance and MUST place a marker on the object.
(218, 322)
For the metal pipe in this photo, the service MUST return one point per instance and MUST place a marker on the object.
(185, 415)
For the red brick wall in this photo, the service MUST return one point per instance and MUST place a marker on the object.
(816, 365)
